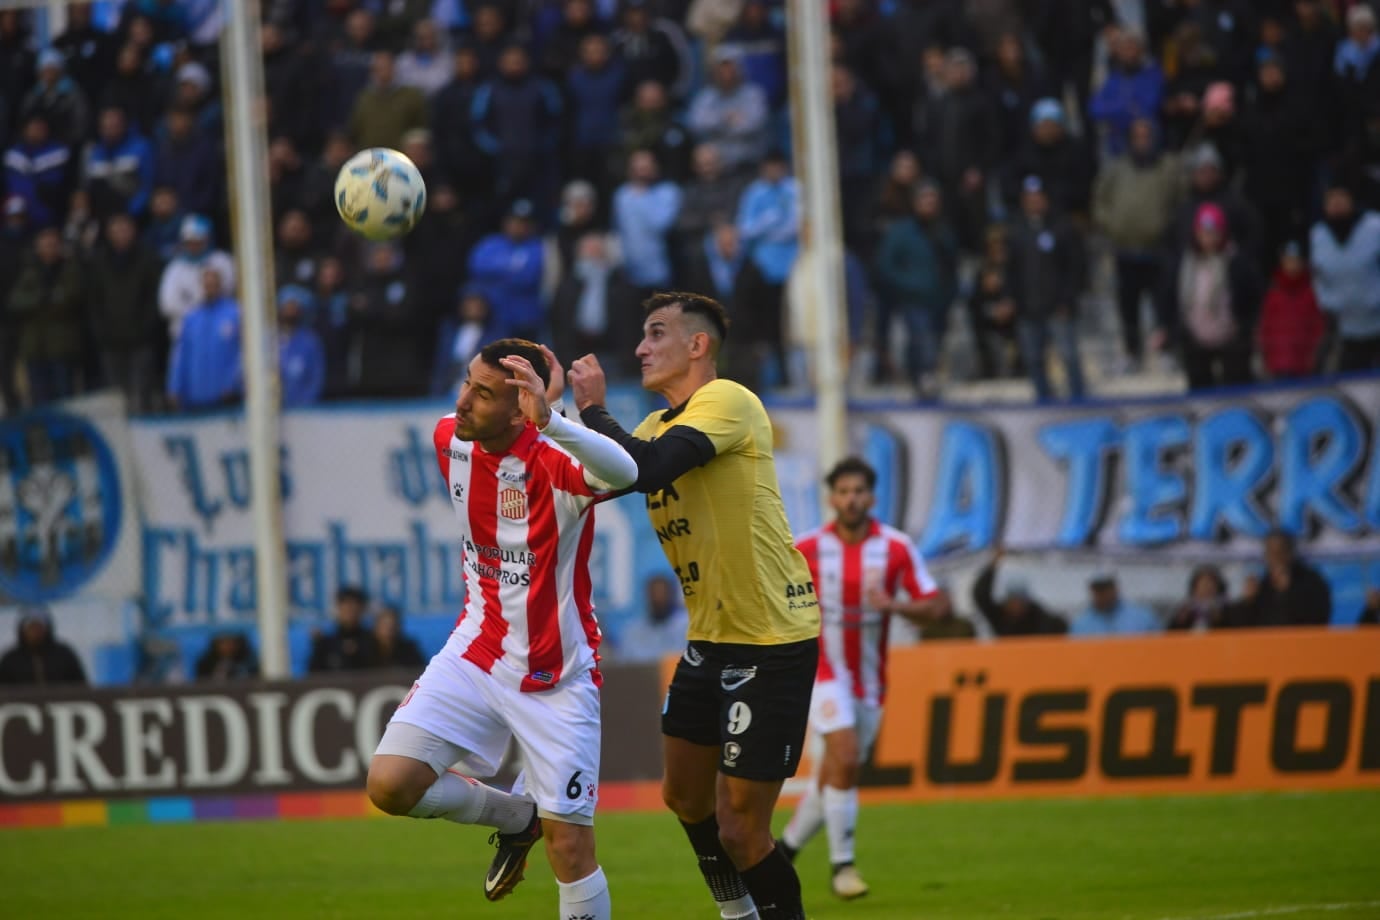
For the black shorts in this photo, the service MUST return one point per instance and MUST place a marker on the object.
(752, 701)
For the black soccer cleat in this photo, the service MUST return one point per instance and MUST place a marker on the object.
(786, 849)
(511, 859)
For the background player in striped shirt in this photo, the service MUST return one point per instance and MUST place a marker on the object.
(521, 663)
(735, 717)
(860, 565)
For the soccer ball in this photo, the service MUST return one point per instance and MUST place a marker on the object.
(380, 193)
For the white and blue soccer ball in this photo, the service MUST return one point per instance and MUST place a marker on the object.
(380, 193)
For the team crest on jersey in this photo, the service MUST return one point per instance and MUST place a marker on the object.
(512, 504)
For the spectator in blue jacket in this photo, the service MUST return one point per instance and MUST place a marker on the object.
(917, 275)
(596, 86)
(189, 162)
(768, 219)
(117, 168)
(1108, 615)
(768, 225)
(516, 120)
(204, 370)
(37, 171)
(1346, 275)
(301, 358)
(644, 211)
(1134, 89)
(760, 46)
(507, 269)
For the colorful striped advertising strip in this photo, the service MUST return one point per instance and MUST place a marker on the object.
(637, 796)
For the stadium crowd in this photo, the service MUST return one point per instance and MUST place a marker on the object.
(1223, 155)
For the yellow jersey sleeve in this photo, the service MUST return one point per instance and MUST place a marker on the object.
(721, 412)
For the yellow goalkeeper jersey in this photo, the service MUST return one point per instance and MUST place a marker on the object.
(723, 526)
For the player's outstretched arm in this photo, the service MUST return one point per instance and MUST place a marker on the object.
(659, 462)
(603, 459)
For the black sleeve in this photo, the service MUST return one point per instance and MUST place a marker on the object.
(982, 594)
(660, 462)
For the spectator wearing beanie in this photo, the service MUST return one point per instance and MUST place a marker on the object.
(1062, 162)
(37, 657)
(731, 114)
(1207, 184)
(181, 288)
(1215, 292)
(58, 99)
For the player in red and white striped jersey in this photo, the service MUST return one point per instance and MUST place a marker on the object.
(521, 663)
(860, 567)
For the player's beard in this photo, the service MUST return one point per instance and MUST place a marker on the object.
(470, 429)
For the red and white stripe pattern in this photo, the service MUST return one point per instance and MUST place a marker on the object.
(528, 526)
(853, 636)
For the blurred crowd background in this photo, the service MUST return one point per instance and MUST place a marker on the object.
(1072, 194)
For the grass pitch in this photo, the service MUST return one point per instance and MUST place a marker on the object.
(1229, 858)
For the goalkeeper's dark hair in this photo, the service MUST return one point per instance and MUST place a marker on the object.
(853, 466)
(691, 305)
(495, 352)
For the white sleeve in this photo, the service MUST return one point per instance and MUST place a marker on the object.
(608, 467)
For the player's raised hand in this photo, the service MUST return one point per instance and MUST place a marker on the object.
(557, 386)
(531, 392)
(587, 382)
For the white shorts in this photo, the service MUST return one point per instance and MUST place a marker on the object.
(833, 707)
(474, 716)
